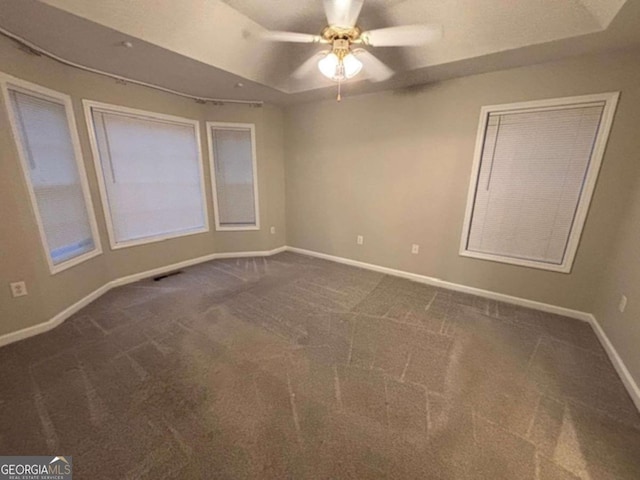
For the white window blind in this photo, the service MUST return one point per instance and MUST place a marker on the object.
(234, 176)
(534, 166)
(152, 176)
(52, 171)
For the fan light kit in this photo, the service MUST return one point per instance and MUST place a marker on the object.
(339, 65)
(341, 62)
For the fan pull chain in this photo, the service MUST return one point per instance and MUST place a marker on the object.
(339, 87)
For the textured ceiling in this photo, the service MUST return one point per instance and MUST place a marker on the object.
(303, 15)
(205, 47)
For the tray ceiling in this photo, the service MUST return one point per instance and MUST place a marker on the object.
(205, 47)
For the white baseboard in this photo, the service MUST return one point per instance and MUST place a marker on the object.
(545, 307)
(55, 321)
(188, 263)
(618, 363)
(83, 302)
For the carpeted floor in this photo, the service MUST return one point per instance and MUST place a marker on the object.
(294, 367)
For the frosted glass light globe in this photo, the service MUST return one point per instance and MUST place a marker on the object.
(352, 65)
(328, 66)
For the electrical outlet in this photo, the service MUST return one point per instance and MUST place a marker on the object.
(18, 289)
(360, 240)
(415, 248)
(272, 230)
(623, 303)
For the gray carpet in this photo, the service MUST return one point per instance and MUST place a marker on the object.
(294, 367)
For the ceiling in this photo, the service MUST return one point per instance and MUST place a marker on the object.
(206, 47)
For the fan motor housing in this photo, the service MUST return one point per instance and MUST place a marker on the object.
(333, 33)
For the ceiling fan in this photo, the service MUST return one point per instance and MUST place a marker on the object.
(342, 61)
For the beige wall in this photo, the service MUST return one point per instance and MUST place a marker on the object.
(622, 276)
(395, 167)
(21, 253)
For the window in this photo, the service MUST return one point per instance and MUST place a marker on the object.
(46, 137)
(234, 176)
(534, 172)
(150, 174)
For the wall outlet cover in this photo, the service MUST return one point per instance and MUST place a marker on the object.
(18, 289)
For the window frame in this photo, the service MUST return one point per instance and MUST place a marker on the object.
(88, 105)
(610, 100)
(212, 167)
(10, 83)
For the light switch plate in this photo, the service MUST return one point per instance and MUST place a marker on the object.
(623, 303)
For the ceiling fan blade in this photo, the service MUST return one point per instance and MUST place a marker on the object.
(342, 13)
(402, 36)
(374, 68)
(309, 65)
(277, 36)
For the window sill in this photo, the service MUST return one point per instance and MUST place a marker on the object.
(73, 262)
(159, 238)
(239, 228)
(562, 268)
